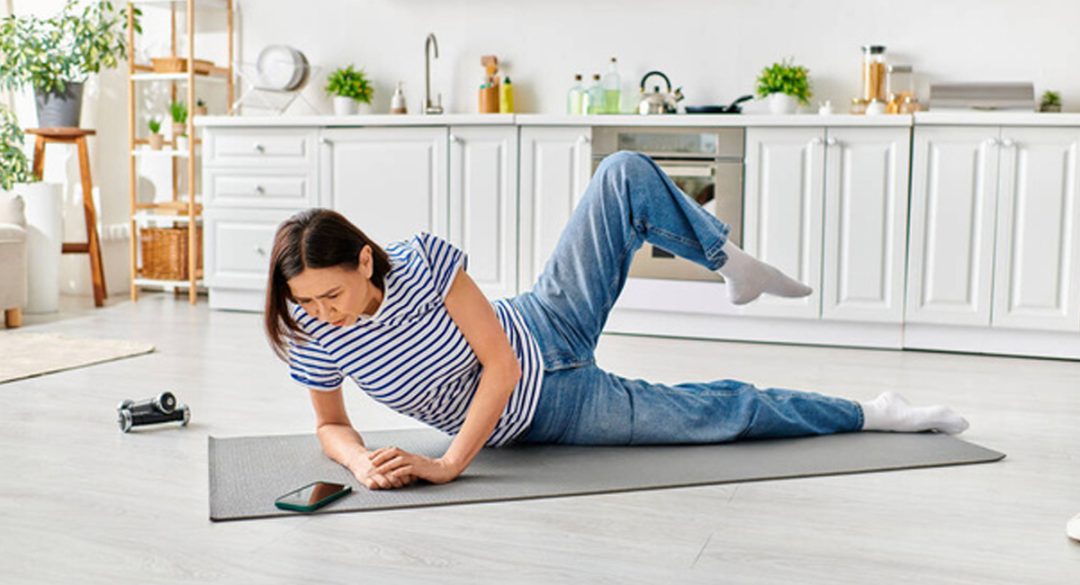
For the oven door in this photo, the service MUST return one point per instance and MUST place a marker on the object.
(715, 185)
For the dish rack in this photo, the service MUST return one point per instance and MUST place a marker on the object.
(261, 93)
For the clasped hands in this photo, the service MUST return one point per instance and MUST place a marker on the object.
(391, 467)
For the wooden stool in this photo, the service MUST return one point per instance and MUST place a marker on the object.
(92, 246)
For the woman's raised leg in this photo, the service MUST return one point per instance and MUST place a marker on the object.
(628, 201)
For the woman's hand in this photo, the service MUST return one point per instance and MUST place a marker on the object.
(399, 467)
(363, 470)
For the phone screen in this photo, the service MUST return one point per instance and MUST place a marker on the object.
(311, 495)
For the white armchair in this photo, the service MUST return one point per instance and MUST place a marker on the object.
(12, 258)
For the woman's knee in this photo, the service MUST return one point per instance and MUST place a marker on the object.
(625, 162)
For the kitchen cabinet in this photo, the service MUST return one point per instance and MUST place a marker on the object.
(993, 233)
(828, 206)
(951, 244)
(483, 204)
(866, 203)
(390, 182)
(555, 167)
(782, 212)
(1037, 259)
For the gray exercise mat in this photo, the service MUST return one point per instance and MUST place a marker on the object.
(248, 473)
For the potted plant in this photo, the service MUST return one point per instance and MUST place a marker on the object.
(43, 213)
(200, 107)
(178, 112)
(785, 85)
(1051, 102)
(156, 140)
(349, 88)
(55, 56)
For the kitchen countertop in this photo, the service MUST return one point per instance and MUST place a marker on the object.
(672, 120)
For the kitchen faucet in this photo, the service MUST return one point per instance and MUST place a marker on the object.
(430, 108)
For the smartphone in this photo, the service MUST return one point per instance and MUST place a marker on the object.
(312, 496)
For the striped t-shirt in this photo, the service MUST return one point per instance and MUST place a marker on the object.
(410, 355)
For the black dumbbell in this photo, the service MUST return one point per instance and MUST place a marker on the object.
(159, 409)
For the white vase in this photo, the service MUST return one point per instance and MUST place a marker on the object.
(182, 143)
(344, 106)
(782, 103)
(44, 240)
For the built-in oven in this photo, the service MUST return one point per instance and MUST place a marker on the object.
(705, 163)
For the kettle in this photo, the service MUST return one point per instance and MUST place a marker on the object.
(656, 101)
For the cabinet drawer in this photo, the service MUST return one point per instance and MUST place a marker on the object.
(237, 188)
(238, 248)
(260, 147)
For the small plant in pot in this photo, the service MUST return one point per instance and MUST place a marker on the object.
(55, 56)
(178, 111)
(200, 107)
(156, 139)
(785, 85)
(14, 166)
(349, 88)
(1051, 102)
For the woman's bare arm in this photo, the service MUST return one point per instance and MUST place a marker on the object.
(342, 443)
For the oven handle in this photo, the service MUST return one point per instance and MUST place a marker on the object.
(688, 170)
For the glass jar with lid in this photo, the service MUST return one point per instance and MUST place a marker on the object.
(873, 73)
(900, 85)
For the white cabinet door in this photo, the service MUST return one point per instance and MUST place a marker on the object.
(866, 187)
(390, 182)
(782, 213)
(1037, 265)
(951, 248)
(556, 164)
(483, 204)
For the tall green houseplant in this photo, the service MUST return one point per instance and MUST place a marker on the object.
(14, 166)
(55, 56)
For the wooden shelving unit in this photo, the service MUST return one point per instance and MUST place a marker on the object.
(183, 210)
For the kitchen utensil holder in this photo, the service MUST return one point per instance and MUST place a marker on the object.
(257, 96)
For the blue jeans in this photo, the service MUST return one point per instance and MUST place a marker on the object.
(630, 201)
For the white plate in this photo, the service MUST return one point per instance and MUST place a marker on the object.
(279, 67)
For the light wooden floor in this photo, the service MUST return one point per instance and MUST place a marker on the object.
(82, 503)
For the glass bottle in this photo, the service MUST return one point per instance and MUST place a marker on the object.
(594, 97)
(873, 73)
(575, 99)
(900, 87)
(612, 89)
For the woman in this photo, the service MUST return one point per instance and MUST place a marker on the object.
(412, 329)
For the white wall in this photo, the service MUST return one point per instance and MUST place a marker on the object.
(714, 49)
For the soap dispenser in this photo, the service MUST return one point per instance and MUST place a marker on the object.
(397, 102)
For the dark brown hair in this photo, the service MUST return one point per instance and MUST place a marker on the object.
(314, 238)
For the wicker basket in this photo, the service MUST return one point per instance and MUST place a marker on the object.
(165, 252)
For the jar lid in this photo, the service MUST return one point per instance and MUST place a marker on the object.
(874, 49)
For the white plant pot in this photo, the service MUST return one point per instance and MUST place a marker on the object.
(782, 103)
(182, 143)
(344, 106)
(44, 240)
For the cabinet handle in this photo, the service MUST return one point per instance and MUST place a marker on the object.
(1008, 143)
(259, 148)
(259, 189)
(455, 139)
(832, 142)
(260, 251)
(816, 141)
(326, 141)
(584, 139)
(992, 142)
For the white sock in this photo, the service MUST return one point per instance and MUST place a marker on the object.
(890, 412)
(747, 277)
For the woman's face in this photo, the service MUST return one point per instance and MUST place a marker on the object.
(337, 295)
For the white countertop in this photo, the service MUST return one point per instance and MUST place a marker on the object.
(671, 120)
(676, 120)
